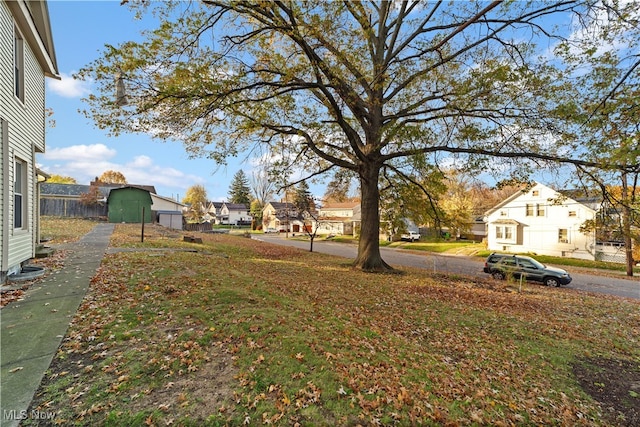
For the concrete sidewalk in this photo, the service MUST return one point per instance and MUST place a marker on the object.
(31, 330)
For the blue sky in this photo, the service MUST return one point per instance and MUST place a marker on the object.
(77, 148)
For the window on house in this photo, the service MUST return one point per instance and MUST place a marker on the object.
(539, 210)
(499, 232)
(529, 209)
(508, 233)
(503, 213)
(18, 64)
(563, 235)
(19, 194)
(572, 213)
(535, 192)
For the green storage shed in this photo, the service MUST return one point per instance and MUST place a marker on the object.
(126, 205)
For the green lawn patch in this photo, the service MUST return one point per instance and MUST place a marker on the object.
(245, 332)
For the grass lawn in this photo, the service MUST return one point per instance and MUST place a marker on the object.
(239, 331)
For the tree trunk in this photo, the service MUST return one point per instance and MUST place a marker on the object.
(369, 258)
(626, 225)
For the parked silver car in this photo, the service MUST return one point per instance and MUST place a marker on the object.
(501, 266)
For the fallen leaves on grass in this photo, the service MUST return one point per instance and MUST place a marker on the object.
(266, 334)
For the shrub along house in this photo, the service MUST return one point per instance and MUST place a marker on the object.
(27, 57)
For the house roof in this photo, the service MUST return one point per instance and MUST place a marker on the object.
(504, 202)
(68, 190)
(168, 199)
(166, 212)
(340, 205)
(32, 18)
(235, 206)
(506, 221)
(588, 200)
(76, 190)
(149, 188)
(281, 205)
(585, 197)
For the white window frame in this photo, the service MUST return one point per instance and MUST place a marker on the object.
(529, 209)
(18, 64)
(506, 233)
(20, 194)
(563, 235)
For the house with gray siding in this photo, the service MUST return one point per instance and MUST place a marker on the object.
(27, 57)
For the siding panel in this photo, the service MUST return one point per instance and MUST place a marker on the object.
(25, 124)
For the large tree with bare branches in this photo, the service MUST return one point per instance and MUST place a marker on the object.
(373, 87)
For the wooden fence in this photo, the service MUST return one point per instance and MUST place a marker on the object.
(205, 226)
(71, 208)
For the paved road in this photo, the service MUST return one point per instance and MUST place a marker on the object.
(468, 266)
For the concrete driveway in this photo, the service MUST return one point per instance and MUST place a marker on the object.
(468, 266)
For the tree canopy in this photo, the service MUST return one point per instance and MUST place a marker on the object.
(602, 112)
(196, 198)
(112, 177)
(60, 179)
(371, 87)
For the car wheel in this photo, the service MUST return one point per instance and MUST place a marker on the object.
(551, 281)
(498, 275)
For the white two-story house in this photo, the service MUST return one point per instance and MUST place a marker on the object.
(27, 56)
(234, 214)
(540, 220)
(338, 218)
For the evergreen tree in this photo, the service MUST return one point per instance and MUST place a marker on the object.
(303, 200)
(240, 192)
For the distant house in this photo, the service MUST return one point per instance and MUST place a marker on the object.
(27, 57)
(544, 221)
(339, 218)
(282, 216)
(129, 204)
(234, 214)
(161, 203)
(212, 213)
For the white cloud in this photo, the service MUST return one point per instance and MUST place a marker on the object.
(86, 162)
(68, 87)
(81, 153)
(141, 162)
